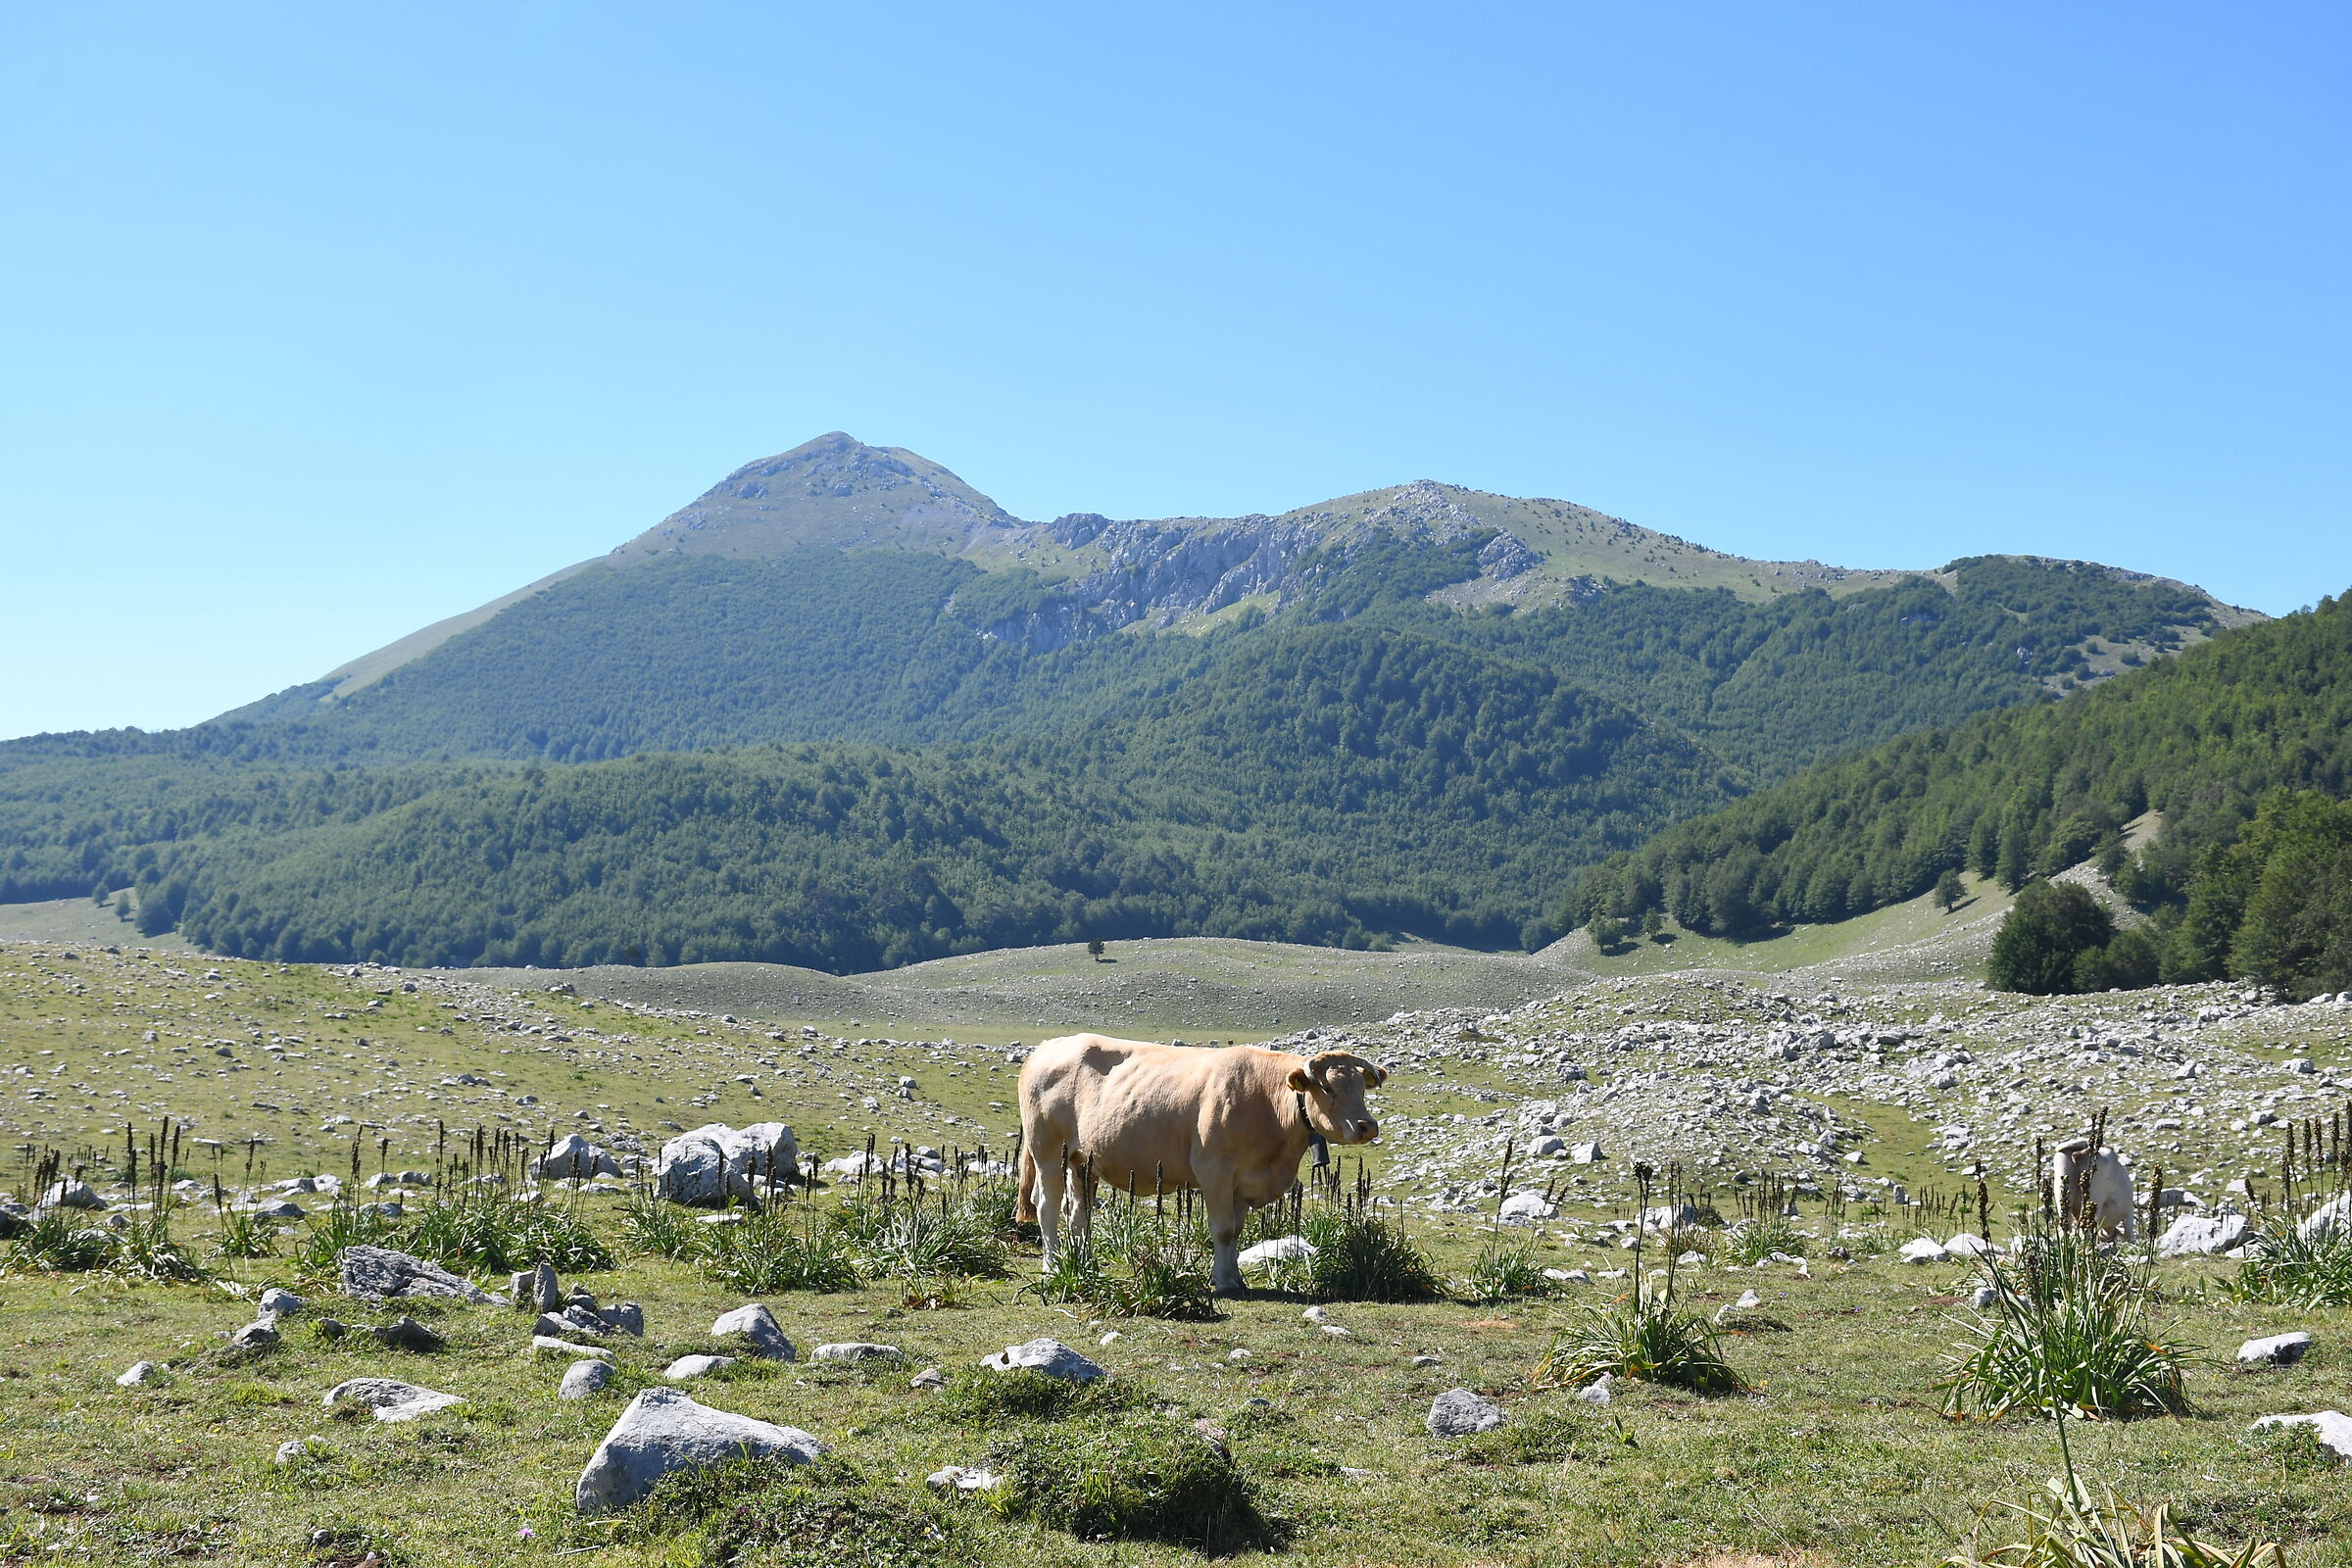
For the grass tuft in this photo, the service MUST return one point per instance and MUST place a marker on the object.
(766, 1252)
(1133, 1481)
(1504, 1269)
(2288, 1269)
(1646, 1338)
(823, 1515)
(976, 1395)
(2067, 1333)
(1360, 1256)
(2068, 1527)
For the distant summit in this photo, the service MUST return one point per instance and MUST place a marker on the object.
(1084, 575)
(835, 491)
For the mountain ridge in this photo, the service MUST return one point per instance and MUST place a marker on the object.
(1097, 576)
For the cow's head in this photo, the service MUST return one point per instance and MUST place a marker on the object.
(1334, 1084)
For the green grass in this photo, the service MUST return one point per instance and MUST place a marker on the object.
(1839, 1451)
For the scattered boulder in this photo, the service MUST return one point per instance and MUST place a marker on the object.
(716, 1164)
(2334, 1429)
(1525, 1209)
(963, 1478)
(2195, 1234)
(1458, 1412)
(1585, 1154)
(1669, 1217)
(535, 1290)
(572, 1157)
(549, 1344)
(380, 1274)
(1923, 1250)
(390, 1399)
(2326, 1220)
(1968, 1243)
(695, 1366)
(70, 1193)
(857, 1350)
(930, 1377)
(405, 1333)
(625, 1317)
(662, 1431)
(137, 1373)
(757, 1329)
(2279, 1349)
(1281, 1249)
(1049, 1356)
(570, 1321)
(281, 1303)
(582, 1378)
(259, 1335)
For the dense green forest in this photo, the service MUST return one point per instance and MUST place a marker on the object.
(1360, 765)
(2201, 738)
(1335, 784)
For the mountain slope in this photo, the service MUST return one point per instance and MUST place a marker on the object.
(2198, 739)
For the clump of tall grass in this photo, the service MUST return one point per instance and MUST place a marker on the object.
(1648, 1336)
(811, 1517)
(1151, 1481)
(320, 1252)
(767, 1252)
(914, 1240)
(1505, 1268)
(1758, 1239)
(244, 1234)
(141, 1248)
(1645, 1337)
(2068, 1527)
(2067, 1333)
(1360, 1256)
(1165, 1274)
(2286, 1268)
(484, 1231)
(979, 1396)
(657, 1228)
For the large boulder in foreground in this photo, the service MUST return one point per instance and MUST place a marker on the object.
(663, 1431)
(380, 1274)
(715, 1163)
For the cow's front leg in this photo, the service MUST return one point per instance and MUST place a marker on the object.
(1082, 1208)
(1225, 1215)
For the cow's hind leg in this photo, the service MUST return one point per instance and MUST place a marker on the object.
(1051, 1182)
(1083, 1184)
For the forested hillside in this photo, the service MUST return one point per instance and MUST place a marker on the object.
(2200, 739)
(1338, 784)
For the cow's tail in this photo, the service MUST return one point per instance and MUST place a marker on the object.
(1025, 1197)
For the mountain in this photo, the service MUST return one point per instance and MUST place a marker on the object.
(1415, 710)
(2195, 743)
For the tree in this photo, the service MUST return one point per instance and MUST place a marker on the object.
(1606, 931)
(1652, 922)
(1094, 950)
(1949, 891)
(2049, 929)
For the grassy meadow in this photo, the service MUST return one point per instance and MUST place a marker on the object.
(1837, 1452)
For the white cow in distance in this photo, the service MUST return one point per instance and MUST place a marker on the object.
(2093, 1189)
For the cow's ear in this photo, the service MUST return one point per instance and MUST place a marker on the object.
(1299, 1081)
(1377, 1074)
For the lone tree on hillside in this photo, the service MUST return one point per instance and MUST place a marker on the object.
(1606, 931)
(2050, 927)
(1094, 950)
(1948, 891)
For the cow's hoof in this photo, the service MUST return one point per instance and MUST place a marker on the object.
(1230, 1288)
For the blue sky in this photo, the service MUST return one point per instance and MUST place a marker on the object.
(325, 322)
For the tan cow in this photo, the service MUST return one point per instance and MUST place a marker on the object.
(1227, 1122)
